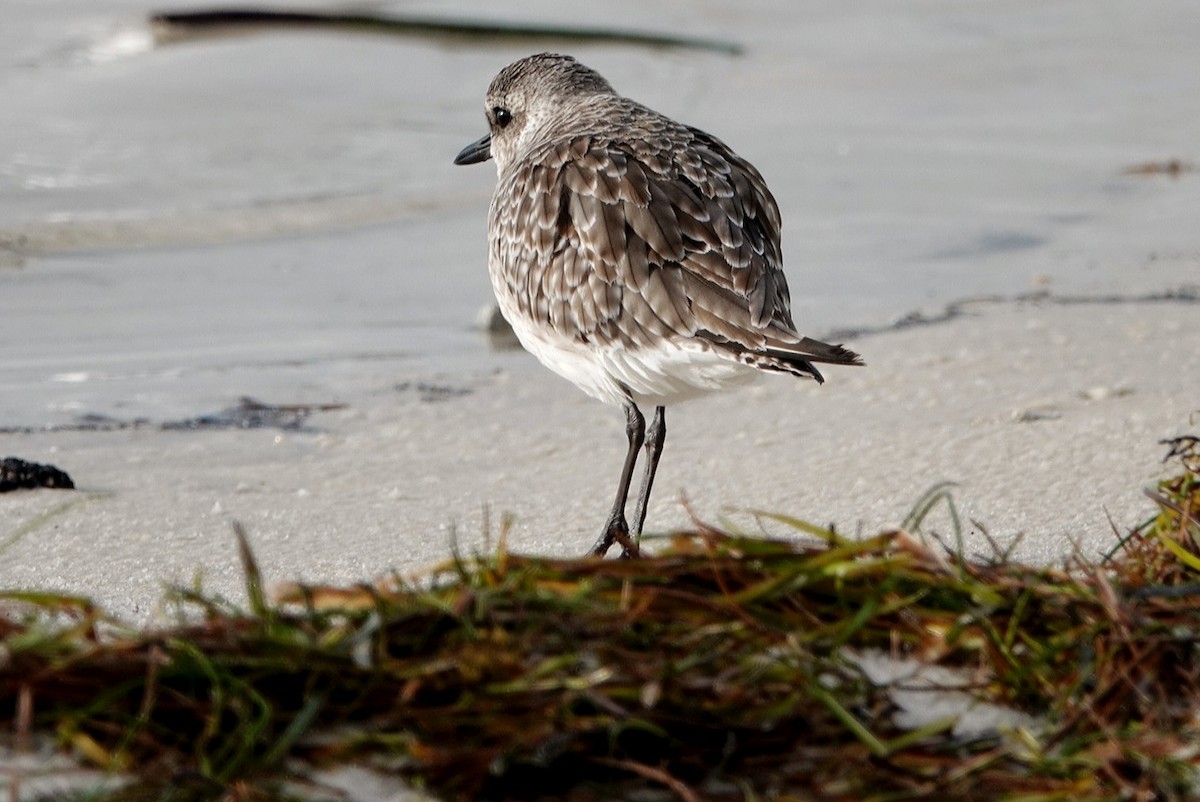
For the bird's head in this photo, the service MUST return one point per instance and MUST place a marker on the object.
(523, 98)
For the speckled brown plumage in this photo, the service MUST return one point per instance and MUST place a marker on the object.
(636, 256)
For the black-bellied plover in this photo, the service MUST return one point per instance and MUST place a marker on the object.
(633, 255)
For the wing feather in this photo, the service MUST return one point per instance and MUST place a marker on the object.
(671, 235)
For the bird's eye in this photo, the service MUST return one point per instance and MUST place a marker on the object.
(502, 116)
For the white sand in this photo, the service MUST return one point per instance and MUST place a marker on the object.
(1047, 416)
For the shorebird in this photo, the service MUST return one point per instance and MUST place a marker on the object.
(635, 256)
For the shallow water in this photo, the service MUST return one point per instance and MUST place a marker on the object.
(276, 215)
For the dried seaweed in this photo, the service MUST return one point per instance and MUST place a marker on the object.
(722, 668)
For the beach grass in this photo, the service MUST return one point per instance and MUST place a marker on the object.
(723, 667)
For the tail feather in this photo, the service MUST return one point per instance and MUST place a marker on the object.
(810, 350)
(781, 356)
(798, 360)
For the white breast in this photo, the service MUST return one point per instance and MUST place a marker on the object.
(665, 374)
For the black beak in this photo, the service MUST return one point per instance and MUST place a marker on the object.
(478, 151)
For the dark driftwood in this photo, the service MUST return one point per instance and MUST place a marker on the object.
(184, 24)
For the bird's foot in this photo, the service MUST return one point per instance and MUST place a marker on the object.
(629, 546)
(616, 531)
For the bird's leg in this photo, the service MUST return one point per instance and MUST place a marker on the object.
(616, 528)
(656, 435)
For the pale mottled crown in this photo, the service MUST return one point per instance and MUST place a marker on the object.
(536, 92)
(550, 75)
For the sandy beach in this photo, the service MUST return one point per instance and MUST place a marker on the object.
(1047, 416)
(184, 225)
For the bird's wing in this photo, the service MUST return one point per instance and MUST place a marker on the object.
(672, 235)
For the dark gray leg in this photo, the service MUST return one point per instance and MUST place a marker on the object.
(655, 436)
(616, 528)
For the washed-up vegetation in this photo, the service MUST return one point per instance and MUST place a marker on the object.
(724, 667)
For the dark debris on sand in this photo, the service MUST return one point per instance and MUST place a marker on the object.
(248, 413)
(17, 474)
